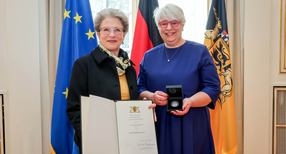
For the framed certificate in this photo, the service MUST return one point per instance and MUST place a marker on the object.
(282, 53)
(117, 127)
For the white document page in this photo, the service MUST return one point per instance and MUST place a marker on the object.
(101, 135)
(84, 118)
(136, 128)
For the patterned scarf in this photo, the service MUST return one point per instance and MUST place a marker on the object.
(122, 61)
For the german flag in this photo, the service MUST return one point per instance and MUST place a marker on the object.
(223, 116)
(146, 35)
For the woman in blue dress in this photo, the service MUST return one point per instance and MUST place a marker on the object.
(186, 63)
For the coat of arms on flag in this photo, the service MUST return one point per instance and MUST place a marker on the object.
(218, 44)
(223, 116)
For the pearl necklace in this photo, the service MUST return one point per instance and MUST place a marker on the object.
(173, 54)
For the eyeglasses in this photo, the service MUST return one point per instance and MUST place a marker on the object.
(165, 23)
(107, 30)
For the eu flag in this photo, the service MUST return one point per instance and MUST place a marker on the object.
(78, 39)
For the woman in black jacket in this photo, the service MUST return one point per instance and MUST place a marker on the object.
(106, 71)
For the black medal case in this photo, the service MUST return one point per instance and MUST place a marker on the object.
(175, 100)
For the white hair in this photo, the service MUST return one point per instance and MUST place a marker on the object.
(169, 12)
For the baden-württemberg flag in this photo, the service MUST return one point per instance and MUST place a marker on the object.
(78, 39)
(223, 117)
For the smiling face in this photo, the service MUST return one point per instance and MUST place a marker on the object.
(172, 36)
(111, 41)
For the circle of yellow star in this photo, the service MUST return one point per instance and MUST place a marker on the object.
(90, 34)
(66, 92)
(66, 14)
(77, 18)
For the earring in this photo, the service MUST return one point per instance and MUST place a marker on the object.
(122, 43)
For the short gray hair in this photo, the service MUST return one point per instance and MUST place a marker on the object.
(169, 12)
(110, 12)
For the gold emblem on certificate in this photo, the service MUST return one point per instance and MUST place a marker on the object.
(134, 109)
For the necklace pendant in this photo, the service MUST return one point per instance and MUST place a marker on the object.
(168, 60)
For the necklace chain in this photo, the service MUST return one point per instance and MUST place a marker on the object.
(172, 56)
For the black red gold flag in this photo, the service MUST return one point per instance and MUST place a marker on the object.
(223, 116)
(146, 34)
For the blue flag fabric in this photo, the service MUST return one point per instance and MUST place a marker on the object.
(78, 39)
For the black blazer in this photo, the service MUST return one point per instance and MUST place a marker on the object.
(96, 74)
